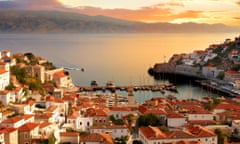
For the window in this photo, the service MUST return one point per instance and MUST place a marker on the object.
(26, 143)
(25, 135)
(88, 124)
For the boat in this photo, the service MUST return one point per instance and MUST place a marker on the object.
(110, 84)
(94, 83)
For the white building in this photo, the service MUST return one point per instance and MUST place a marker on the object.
(4, 79)
(14, 122)
(2, 138)
(153, 135)
(5, 97)
(71, 137)
(175, 120)
(210, 71)
(85, 123)
(119, 112)
(116, 131)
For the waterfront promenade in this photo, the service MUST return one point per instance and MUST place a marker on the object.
(154, 88)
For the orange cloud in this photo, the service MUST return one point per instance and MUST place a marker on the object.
(146, 14)
(238, 3)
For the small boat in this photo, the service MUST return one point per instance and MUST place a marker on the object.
(110, 84)
(94, 83)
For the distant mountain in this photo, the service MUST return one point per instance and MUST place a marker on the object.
(56, 21)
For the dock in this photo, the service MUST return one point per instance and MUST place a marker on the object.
(154, 88)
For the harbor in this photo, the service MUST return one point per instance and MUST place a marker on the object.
(112, 88)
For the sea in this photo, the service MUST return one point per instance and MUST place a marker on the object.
(123, 59)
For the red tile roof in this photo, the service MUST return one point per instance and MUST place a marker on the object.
(174, 115)
(7, 129)
(13, 120)
(201, 122)
(97, 137)
(152, 133)
(44, 124)
(185, 142)
(120, 109)
(156, 112)
(28, 127)
(2, 71)
(180, 134)
(200, 131)
(69, 134)
(109, 127)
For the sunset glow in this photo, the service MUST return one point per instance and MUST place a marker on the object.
(173, 11)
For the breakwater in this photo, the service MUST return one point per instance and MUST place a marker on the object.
(154, 88)
(167, 71)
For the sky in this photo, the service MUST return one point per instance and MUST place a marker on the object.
(173, 11)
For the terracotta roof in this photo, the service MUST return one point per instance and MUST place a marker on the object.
(51, 108)
(50, 98)
(152, 133)
(185, 142)
(2, 71)
(69, 134)
(97, 137)
(28, 127)
(157, 112)
(7, 129)
(201, 122)
(43, 116)
(44, 124)
(174, 115)
(27, 116)
(180, 134)
(120, 109)
(59, 74)
(232, 72)
(13, 120)
(200, 131)
(199, 111)
(109, 127)
(96, 112)
(73, 115)
(4, 92)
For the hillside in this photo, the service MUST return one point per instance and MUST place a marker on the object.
(56, 21)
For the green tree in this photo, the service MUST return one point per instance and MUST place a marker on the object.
(150, 119)
(220, 75)
(216, 101)
(121, 140)
(20, 74)
(221, 136)
(10, 87)
(51, 139)
(116, 121)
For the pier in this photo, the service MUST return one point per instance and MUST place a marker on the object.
(154, 88)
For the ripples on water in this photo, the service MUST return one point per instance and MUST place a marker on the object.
(122, 58)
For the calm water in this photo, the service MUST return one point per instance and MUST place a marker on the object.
(122, 58)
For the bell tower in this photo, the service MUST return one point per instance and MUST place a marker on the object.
(130, 95)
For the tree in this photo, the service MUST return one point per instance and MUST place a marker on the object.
(137, 142)
(220, 75)
(150, 119)
(51, 139)
(116, 121)
(10, 87)
(20, 74)
(221, 136)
